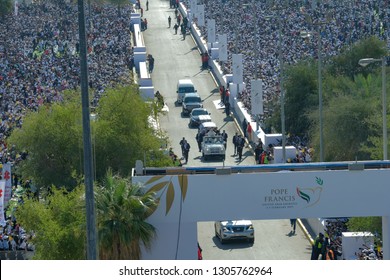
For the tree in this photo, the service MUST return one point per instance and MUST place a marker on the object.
(347, 63)
(52, 137)
(347, 119)
(122, 209)
(58, 223)
(300, 97)
(121, 135)
(5, 7)
(124, 133)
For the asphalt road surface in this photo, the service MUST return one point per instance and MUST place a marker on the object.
(176, 59)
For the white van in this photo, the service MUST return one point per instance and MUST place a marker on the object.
(184, 86)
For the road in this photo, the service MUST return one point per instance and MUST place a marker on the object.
(176, 59)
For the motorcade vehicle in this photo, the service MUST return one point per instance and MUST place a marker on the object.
(190, 102)
(184, 86)
(198, 116)
(234, 230)
(206, 127)
(213, 146)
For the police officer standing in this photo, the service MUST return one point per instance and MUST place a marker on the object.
(235, 143)
(240, 146)
(225, 137)
(186, 151)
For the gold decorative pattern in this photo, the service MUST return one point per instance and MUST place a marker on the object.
(183, 182)
(168, 187)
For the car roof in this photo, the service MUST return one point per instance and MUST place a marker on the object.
(208, 124)
(185, 82)
(199, 109)
(191, 94)
(236, 222)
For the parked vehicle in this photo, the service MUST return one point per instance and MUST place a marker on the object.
(184, 86)
(233, 230)
(198, 116)
(190, 102)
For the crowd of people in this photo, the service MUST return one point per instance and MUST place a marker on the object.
(252, 30)
(14, 241)
(39, 58)
(328, 245)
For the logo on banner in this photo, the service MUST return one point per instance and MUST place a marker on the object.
(302, 197)
(311, 195)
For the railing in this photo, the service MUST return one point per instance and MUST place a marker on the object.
(219, 170)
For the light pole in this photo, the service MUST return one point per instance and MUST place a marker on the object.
(364, 62)
(319, 73)
(88, 165)
(280, 56)
(282, 113)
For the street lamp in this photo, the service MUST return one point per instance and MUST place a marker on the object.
(280, 55)
(88, 165)
(305, 34)
(364, 62)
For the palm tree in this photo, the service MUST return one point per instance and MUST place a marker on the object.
(122, 209)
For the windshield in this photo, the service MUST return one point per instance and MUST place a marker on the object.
(186, 89)
(192, 100)
(199, 112)
(213, 140)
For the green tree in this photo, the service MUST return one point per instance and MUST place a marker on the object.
(122, 209)
(121, 135)
(52, 136)
(58, 224)
(124, 133)
(347, 63)
(300, 97)
(5, 7)
(347, 118)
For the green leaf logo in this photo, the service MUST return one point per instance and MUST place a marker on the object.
(319, 181)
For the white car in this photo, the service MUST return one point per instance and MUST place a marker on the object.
(232, 230)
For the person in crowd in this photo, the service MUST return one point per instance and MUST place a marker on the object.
(245, 127)
(186, 150)
(258, 151)
(169, 21)
(293, 223)
(222, 92)
(235, 143)
(199, 140)
(227, 109)
(240, 146)
(225, 137)
(182, 143)
(317, 246)
(176, 27)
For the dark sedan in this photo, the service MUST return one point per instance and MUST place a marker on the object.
(198, 116)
